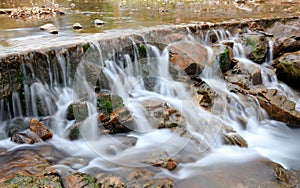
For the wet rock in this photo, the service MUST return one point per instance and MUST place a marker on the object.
(77, 26)
(78, 111)
(74, 132)
(205, 95)
(98, 22)
(233, 138)
(188, 56)
(80, 180)
(284, 176)
(279, 107)
(169, 163)
(16, 125)
(145, 178)
(256, 47)
(285, 44)
(245, 75)
(288, 68)
(27, 169)
(223, 55)
(39, 129)
(22, 138)
(113, 115)
(105, 180)
(49, 28)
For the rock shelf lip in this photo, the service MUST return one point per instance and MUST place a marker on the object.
(73, 41)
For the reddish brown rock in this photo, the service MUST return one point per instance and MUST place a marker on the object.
(39, 129)
(190, 57)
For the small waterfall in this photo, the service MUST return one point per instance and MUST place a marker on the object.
(142, 79)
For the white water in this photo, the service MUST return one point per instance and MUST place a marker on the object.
(265, 138)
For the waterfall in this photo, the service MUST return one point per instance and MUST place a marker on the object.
(144, 79)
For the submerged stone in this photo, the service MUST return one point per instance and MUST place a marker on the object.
(22, 138)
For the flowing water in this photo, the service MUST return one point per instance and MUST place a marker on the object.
(124, 15)
(140, 80)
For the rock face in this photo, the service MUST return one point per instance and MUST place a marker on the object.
(288, 68)
(256, 47)
(188, 56)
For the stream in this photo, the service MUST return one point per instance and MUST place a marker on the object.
(139, 77)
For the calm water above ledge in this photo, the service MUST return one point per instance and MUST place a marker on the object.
(17, 34)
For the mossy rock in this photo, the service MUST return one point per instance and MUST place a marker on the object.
(288, 68)
(109, 103)
(256, 47)
(223, 55)
(16, 125)
(78, 111)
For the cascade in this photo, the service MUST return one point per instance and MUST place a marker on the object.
(144, 80)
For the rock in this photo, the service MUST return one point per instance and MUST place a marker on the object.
(279, 107)
(16, 125)
(113, 115)
(256, 47)
(144, 178)
(229, 43)
(77, 26)
(74, 132)
(245, 75)
(222, 56)
(98, 22)
(284, 176)
(25, 168)
(22, 138)
(231, 137)
(205, 94)
(78, 111)
(39, 129)
(288, 68)
(80, 180)
(105, 180)
(169, 163)
(50, 28)
(285, 44)
(188, 56)
(281, 30)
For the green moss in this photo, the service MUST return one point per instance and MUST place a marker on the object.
(86, 47)
(142, 51)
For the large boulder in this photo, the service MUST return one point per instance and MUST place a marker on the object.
(190, 57)
(285, 30)
(288, 68)
(256, 47)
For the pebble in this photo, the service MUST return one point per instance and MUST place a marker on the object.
(50, 28)
(98, 22)
(77, 26)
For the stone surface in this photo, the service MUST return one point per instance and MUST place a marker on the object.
(279, 107)
(22, 138)
(188, 56)
(222, 56)
(256, 47)
(288, 68)
(80, 180)
(285, 44)
(16, 125)
(40, 130)
(27, 169)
